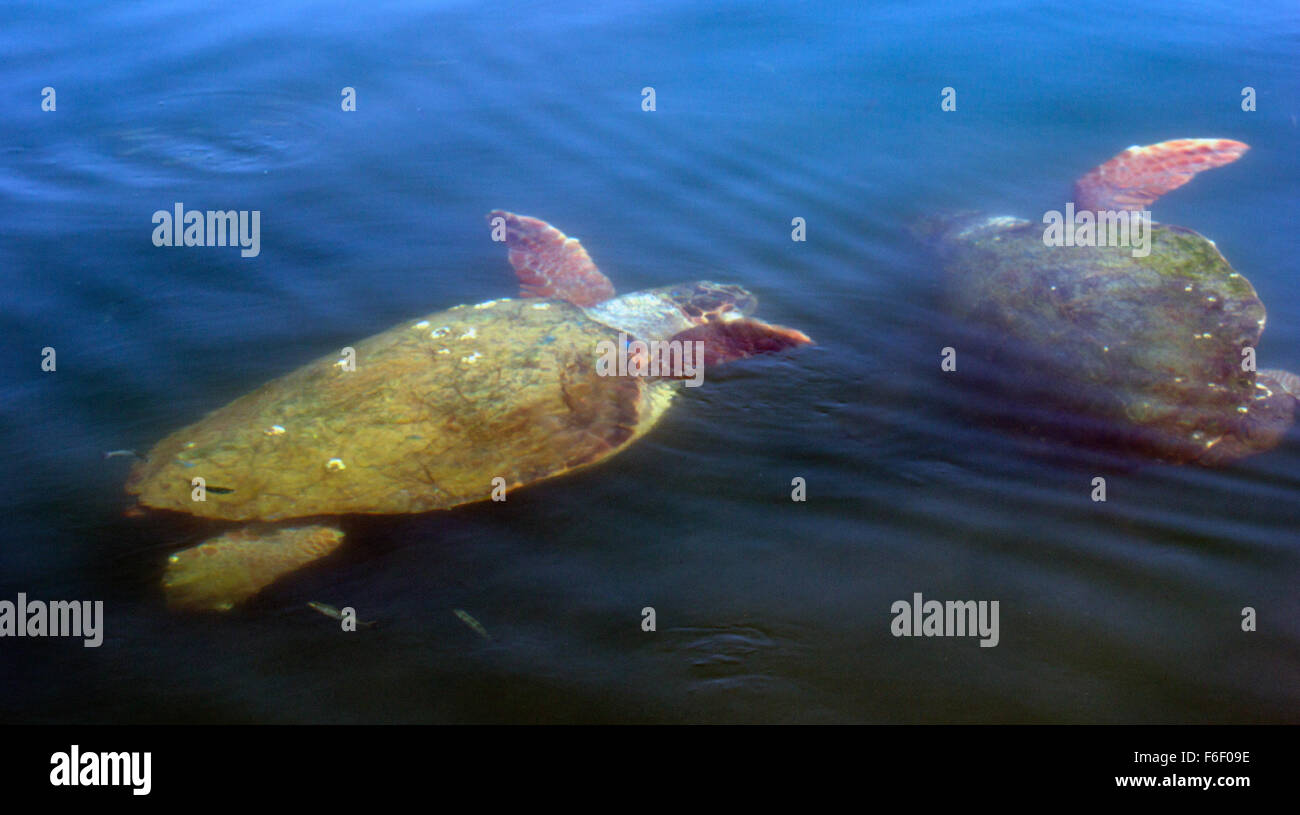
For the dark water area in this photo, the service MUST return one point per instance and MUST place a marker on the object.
(767, 610)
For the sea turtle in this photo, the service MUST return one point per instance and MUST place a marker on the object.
(1147, 352)
(439, 411)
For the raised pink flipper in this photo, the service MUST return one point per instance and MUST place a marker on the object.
(1138, 176)
(550, 264)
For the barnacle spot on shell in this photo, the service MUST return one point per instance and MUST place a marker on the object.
(1187, 288)
(441, 331)
(342, 363)
(1243, 409)
(189, 445)
(470, 334)
(274, 430)
(335, 464)
(488, 304)
(421, 324)
(541, 306)
(444, 350)
(470, 360)
(1234, 275)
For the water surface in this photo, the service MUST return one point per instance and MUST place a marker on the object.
(767, 610)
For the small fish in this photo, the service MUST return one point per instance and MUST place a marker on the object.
(331, 611)
(326, 609)
(123, 454)
(475, 625)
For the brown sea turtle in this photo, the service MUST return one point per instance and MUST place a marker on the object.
(437, 412)
(1147, 348)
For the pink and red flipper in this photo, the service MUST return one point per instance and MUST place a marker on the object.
(550, 264)
(1138, 176)
(741, 338)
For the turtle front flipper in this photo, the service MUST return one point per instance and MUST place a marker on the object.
(741, 338)
(1140, 175)
(220, 573)
(550, 264)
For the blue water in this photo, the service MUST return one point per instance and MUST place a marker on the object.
(767, 610)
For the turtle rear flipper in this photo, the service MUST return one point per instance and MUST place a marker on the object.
(220, 573)
(550, 264)
(1138, 176)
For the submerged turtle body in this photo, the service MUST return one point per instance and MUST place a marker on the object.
(1142, 350)
(432, 412)
(439, 411)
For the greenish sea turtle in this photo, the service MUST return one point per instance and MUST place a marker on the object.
(1150, 352)
(437, 412)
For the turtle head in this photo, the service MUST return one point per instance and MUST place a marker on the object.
(714, 315)
(705, 301)
(721, 326)
(658, 314)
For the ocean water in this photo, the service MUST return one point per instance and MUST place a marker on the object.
(767, 610)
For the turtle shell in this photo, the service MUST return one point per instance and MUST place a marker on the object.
(1148, 349)
(431, 413)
